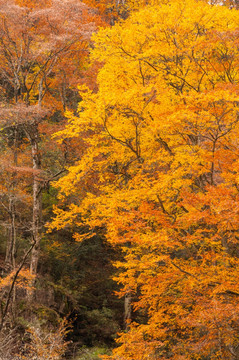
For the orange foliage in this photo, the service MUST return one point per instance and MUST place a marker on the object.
(160, 172)
(24, 280)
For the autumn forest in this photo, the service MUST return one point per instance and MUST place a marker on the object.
(119, 180)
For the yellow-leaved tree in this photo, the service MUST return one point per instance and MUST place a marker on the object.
(159, 171)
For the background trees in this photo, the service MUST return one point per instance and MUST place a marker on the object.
(34, 39)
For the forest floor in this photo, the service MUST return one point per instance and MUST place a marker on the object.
(91, 353)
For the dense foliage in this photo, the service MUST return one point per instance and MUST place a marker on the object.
(135, 195)
(159, 171)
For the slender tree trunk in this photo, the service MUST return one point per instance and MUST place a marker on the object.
(11, 244)
(127, 310)
(37, 207)
(32, 133)
(5, 304)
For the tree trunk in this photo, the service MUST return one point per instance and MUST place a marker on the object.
(11, 244)
(12, 238)
(37, 207)
(32, 133)
(127, 310)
